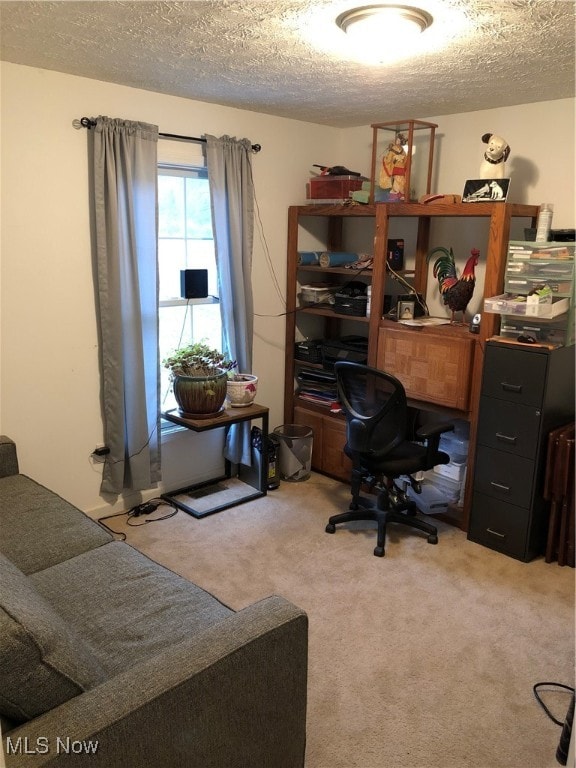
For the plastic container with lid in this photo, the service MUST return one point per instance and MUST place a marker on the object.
(431, 501)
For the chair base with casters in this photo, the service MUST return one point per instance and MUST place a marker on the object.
(392, 506)
(384, 442)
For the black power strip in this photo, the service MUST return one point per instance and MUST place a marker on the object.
(145, 508)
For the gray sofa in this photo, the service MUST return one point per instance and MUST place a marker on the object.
(108, 659)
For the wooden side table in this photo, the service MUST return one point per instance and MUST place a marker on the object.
(232, 488)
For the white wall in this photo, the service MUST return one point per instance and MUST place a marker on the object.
(49, 377)
(542, 146)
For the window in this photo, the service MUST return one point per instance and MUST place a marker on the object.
(185, 241)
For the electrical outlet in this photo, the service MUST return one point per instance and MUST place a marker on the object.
(99, 453)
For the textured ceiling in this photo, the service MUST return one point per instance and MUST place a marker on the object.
(288, 57)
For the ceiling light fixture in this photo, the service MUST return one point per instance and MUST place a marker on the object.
(384, 31)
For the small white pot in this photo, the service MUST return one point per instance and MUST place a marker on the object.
(241, 390)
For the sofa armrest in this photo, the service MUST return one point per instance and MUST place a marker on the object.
(8, 457)
(233, 695)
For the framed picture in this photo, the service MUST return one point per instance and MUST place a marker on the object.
(406, 310)
(486, 191)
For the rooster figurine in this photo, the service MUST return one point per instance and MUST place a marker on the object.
(456, 292)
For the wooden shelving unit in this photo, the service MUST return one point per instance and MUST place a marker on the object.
(384, 335)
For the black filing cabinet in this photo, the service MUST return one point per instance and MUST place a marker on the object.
(526, 392)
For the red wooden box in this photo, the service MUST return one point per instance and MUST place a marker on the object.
(333, 187)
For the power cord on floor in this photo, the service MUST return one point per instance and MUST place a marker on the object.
(145, 508)
(563, 749)
(544, 707)
(151, 506)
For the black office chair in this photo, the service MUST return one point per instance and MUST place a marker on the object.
(384, 445)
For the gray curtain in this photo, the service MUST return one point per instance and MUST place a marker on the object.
(124, 167)
(228, 162)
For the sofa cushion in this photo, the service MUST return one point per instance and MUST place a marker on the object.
(125, 606)
(43, 662)
(39, 528)
(8, 457)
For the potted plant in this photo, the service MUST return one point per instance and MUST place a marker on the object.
(241, 389)
(199, 375)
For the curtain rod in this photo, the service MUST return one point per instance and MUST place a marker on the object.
(86, 122)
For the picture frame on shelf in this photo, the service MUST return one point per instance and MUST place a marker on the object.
(406, 310)
(486, 191)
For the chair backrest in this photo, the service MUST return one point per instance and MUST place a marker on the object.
(374, 403)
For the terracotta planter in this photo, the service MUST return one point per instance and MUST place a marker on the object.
(241, 390)
(200, 396)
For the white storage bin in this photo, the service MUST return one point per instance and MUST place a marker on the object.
(453, 471)
(450, 489)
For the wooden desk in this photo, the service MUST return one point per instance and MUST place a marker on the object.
(441, 367)
(239, 483)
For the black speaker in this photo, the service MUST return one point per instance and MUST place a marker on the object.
(194, 283)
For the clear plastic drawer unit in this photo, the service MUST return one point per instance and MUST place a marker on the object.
(538, 283)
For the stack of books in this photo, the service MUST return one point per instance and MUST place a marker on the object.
(317, 386)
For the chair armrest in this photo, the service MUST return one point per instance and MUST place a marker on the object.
(426, 431)
(233, 695)
(431, 433)
(8, 457)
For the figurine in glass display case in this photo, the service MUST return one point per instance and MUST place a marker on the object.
(393, 170)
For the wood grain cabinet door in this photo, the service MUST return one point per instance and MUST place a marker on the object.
(335, 461)
(328, 445)
(432, 367)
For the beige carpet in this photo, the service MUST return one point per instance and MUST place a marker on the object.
(425, 658)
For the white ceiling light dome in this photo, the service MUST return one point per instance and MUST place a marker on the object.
(384, 32)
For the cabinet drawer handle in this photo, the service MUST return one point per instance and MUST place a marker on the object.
(506, 438)
(500, 487)
(511, 387)
(496, 533)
